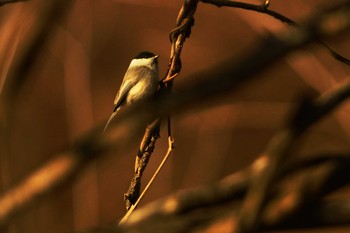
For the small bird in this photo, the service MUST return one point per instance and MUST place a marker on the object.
(140, 82)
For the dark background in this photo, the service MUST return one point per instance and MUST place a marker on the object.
(73, 80)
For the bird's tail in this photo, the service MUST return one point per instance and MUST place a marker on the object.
(109, 120)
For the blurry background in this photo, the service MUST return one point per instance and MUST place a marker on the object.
(75, 72)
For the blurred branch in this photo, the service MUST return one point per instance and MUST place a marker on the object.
(325, 213)
(265, 170)
(304, 191)
(32, 45)
(3, 2)
(269, 166)
(296, 193)
(38, 183)
(63, 167)
(212, 84)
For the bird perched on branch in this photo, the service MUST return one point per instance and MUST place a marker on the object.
(140, 82)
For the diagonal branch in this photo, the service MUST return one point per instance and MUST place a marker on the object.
(31, 47)
(297, 193)
(230, 76)
(3, 2)
(257, 8)
(268, 167)
(264, 9)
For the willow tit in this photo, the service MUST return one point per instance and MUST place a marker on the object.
(140, 82)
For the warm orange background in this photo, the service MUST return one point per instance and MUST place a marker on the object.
(72, 85)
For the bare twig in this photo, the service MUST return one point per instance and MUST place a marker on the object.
(131, 120)
(146, 149)
(264, 9)
(178, 35)
(131, 209)
(257, 8)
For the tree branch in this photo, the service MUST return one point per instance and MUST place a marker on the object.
(264, 9)
(211, 84)
(3, 2)
(269, 166)
(296, 193)
(178, 36)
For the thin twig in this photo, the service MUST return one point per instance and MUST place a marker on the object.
(264, 9)
(131, 209)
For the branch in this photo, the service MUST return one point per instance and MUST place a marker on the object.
(264, 9)
(31, 46)
(170, 148)
(296, 194)
(178, 36)
(265, 169)
(3, 2)
(146, 149)
(269, 166)
(40, 182)
(257, 8)
(321, 214)
(212, 84)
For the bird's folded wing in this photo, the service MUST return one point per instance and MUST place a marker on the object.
(122, 94)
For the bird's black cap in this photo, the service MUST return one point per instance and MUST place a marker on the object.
(145, 54)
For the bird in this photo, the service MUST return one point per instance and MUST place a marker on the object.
(140, 82)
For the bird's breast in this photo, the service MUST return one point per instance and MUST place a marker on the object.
(144, 89)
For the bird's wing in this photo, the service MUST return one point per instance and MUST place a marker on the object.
(119, 99)
(122, 93)
(109, 120)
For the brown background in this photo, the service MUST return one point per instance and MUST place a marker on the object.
(72, 84)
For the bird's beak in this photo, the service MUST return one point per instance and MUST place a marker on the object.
(156, 56)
